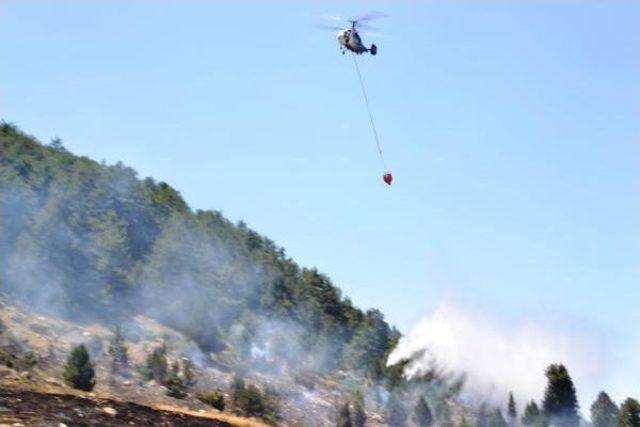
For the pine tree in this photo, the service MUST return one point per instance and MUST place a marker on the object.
(188, 374)
(464, 422)
(359, 414)
(175, 386)
(629, 415)
(482, 420)
(511, 409)
(497, 420)
(79, 372)
(560, 405)
(118, 352)
(532, 416)
(396, 415)
(422, 413)
(604, 412)
(344, 416)
(441, 410)
(56, 144)
(156, 365)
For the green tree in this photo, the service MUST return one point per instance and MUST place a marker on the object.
(496, 419)
(79, 372)
(464, 422)
(359, 414)
(604, 412)
(560, 404)
(213, 398)
(237, 385)
(396, 414)
(156, 365)
(250, 401)
(629, 415)
(369, 346)
(56, 144)
(533, 416)
(118, 352)
(344, 416)
(188, 373)
(422, 413)
(482, 420)
(175, 385)
(512, 412)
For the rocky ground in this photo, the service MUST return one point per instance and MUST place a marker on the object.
(39, 389)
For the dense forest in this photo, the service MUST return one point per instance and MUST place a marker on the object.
(89, 241)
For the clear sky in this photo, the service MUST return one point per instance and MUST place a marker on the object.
(512, 130)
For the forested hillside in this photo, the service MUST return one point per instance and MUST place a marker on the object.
(89, 241)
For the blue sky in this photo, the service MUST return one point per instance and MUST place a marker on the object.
(511, 128)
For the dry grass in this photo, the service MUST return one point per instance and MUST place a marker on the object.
(214, 415)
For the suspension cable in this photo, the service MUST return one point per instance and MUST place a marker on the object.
(366, 102)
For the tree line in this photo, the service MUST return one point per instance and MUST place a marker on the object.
(558, 408)
(93, 240)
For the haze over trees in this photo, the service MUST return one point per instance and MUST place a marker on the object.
(532, 415)
(604, 412)
(89, 241)
(396, 413)
(560, 406)
(512, 411)
(118, 352)
(422, 415)
(110, 245)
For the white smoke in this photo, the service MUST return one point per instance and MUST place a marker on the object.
(497, 358)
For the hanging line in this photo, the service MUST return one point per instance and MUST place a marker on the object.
(366, 101)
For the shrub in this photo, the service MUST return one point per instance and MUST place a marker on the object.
(252, 402)
(212, 398)
(188, 374)
(175, 385)
(79, 372)
(118, 352)
(26, 361)
(156, 367)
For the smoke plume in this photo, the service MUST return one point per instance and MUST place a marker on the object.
(497, 358)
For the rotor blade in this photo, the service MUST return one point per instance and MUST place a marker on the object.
(328, 27)
(369, 16)
(365, 26)
(373, 34)
(331, 18)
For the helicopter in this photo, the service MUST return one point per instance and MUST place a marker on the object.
(349, 38)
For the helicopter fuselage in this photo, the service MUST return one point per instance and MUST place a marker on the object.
(350, 40)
